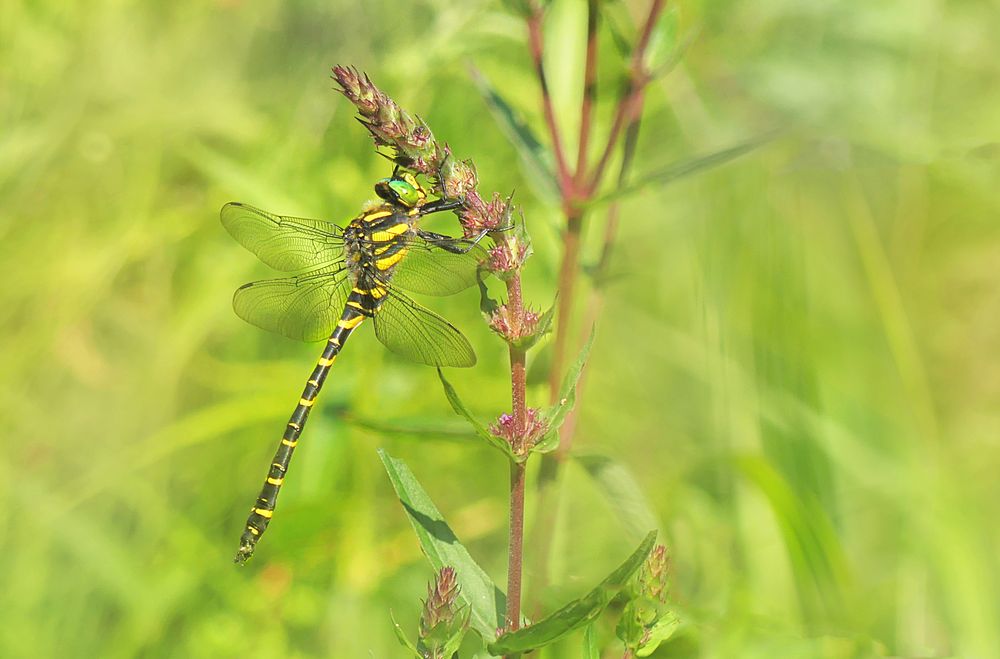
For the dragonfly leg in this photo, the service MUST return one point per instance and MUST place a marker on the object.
(450, 244)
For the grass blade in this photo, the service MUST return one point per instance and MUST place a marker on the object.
(683, 168)
(619, 487)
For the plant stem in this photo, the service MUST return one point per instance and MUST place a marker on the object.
(567, 288)
(595, 302)
(515, 554)
(516, 546)
(536, 46)
(589, 90)
(632, 98)
(574, 198)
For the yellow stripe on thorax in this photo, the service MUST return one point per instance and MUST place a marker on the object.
(376, 215)
(389, 233)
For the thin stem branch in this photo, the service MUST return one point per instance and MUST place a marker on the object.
(638, 79)
(537, 49)
(589, 91)
(567, 288)
(595, 303)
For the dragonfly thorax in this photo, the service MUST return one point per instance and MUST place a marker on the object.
(375, 243)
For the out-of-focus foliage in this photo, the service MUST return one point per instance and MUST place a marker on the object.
(798, 359)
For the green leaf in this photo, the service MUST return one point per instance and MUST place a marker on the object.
(616, 16)
(534, 156)
(590, 649)
(659, 632)
(455, 640)
(487, 305)
(481, 430)
(617, 484)
(687, 167)
(577, 613)
(420, 426)
(486, 602)
(446, 637)
(555, 415)
(401, 635)
(520, 7)
(629, 628)
(663, 41)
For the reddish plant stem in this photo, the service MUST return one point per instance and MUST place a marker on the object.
(515, 554)
(589, 92)
(638, 79)
(566, 287)
(516, 545)
(595, 302)
(629, 105)
(537, 49)
(629, 110)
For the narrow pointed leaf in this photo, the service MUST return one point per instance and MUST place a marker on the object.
(590, 649)
(481, 430)
(486, 602)
(617, 484)
(577, 613)
(663, 42)
(401, 635)
(420, 426)
(658, 633)
(533, 154)
(556, 414)
(687, 167)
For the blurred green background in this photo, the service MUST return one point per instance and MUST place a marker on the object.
(798, 359)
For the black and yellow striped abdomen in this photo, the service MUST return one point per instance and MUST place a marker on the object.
(260, 515)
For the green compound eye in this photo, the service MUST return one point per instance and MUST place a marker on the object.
(405, 193)
(402, 191)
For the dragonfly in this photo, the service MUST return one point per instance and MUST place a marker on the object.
(343, 277)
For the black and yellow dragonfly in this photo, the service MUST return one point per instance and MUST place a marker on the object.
(345, 276)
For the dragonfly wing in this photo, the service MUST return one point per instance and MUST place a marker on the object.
(284, 243)
(305, 308)
(419, 334)
(431, 270)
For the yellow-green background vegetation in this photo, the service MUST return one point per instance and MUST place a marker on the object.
(797, 360)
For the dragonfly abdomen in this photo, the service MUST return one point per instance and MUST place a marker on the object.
(355, 311)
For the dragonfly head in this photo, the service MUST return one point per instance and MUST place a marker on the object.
(402, 189)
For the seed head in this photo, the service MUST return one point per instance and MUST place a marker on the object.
(534, 427)
(653, 575)
(439, 607)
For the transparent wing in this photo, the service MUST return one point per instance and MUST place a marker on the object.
(284, 243)
(430, 270)
(305, 308)
(419, 334)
